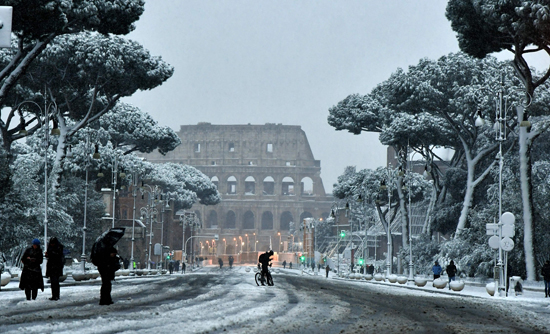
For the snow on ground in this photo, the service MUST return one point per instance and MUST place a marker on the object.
(220, 306)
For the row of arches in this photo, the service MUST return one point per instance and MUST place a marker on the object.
(249, 221)
(267, 186)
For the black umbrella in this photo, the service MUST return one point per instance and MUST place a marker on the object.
(106, 240)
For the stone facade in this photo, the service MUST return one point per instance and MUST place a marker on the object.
(267, 177)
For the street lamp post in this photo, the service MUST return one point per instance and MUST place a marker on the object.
(189, 218)
(165, 206)
(279, 234)
(114, 169)
(247, 244)
(224, 246)
(133, 178)
(336, 217)
(500, 127)
(255, 242)
(389, 256)
(87, 153)
(149, 211)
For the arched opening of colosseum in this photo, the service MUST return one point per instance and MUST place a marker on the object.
(267, 220)
(288, 186)
(249, 186)
(307, 186)
(269, 186)
(215, 181)
(212, 221)
(231, 185)
(286, 218)
(230, 219)
(248, 220)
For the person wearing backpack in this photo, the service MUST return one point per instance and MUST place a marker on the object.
(54, 266)
(451, 272)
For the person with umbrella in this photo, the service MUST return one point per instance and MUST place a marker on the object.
(54, 266)
(31, 275)
(105, 257)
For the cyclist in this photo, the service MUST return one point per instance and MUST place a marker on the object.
(264, 260)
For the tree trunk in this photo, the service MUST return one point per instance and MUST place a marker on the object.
(468, 196)
(526, 196)
(404, 212)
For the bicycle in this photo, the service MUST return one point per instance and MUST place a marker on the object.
(262, 280)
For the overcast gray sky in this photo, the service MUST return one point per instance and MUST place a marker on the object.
(286, 61)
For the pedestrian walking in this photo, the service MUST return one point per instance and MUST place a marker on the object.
(231, 259)
(177, 266)
(451, 272)
(183, 267)
(284, 264)
(171, 266)
(107, 262)
(220, 262)
(31, 275)
(327, 269)
(290, 265)
(54, 266)
(546, 276)
(437, 270)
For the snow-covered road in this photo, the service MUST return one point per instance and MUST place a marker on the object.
(213, 301)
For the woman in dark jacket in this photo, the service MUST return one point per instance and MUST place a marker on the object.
(31, 276)
(54, 266)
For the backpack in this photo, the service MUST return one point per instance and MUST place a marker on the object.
(94, 256)
(261, 259)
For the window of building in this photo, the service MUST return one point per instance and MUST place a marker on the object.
(213, 163)
(288, 186)
(267, 220)
(269, 186)
(249, 186)
(231, 185)
(270, 148)
(197, 147)
(215, 181)
(231, 147)
(248, 220)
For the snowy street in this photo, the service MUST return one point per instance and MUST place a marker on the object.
(210, 300)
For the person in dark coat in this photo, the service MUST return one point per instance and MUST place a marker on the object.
(451, 272)
(327, 268)
(171, 266)
(290, 265)
(220, 262)
(183, 267)
(54, 266)
(546, 276)
(284, 264)
(31, 275)
(107, 264)
(231, 259)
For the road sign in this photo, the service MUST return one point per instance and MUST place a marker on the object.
(494, 242)
(508, 218)
(508, 230)
(492, 229)
(507, 244)
(157, 250)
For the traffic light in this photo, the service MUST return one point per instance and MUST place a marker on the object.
(342, 234)
(360, 262)
(302, 258)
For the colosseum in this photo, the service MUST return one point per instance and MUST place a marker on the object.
(268, 179)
